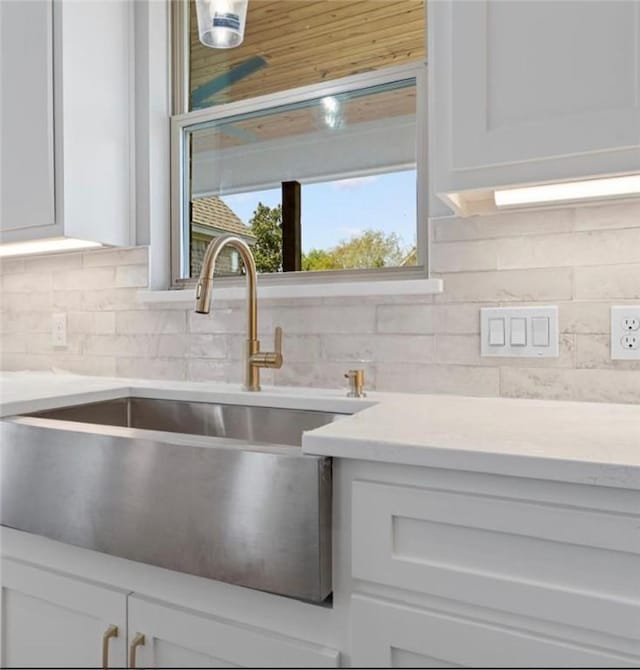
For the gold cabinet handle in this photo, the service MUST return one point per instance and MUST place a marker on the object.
(112, 631)
(138, 641)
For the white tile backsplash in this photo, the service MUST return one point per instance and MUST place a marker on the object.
(530, 284)
(608, 282)
(458, 379)
(570, 249)
(378, 349)
(132, 275)
(516, 224)
(151, 368)
(582, 259)
(115, 257)
(465, 349)
(207, 370)
(577, 384)
(160, 321)
(87, 278)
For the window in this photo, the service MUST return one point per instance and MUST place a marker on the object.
(310, 153)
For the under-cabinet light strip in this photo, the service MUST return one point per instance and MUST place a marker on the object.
(49, 245)
(576, 190)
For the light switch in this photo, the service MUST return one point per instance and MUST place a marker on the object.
(518, 332)
(496, 332)
(540, 331)
(532, 332)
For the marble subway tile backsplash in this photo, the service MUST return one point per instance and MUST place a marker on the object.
(584, 259)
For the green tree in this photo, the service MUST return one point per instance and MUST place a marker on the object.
(370, 249)
(266, 225)
(319, 259)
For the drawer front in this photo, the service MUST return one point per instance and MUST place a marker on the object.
(389, 635)
(554, 562)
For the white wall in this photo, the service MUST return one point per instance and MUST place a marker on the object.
(582, 259)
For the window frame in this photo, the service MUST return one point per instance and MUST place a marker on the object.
(182, 119)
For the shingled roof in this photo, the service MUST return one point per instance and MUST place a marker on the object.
(212, 212)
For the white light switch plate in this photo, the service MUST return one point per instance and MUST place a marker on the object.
(625, 333)
(529, 332)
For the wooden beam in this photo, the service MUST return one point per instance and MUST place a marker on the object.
(291, 229)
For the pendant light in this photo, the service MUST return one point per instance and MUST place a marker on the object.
(221, 22)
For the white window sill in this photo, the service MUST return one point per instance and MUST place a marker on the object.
(306, 290)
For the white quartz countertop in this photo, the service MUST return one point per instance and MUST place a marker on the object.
(588, 443)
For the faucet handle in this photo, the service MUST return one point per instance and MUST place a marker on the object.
(270, 359)
(278, 342)
(277, 359)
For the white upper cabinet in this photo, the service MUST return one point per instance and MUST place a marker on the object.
(26, 122)
(65, 85)
(530, 92)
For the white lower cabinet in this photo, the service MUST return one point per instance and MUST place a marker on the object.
(56, 620)
(431, 569)
(493, 572)
(176, 637)
(52, 620)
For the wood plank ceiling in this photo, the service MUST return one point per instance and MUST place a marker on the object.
(291, 43)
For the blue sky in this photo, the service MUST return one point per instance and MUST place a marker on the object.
(334, 211)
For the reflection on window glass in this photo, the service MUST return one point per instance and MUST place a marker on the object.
(291, 43)
(352, 158)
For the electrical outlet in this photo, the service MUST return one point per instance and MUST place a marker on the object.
(630, 341)
(59, 330)
(625, 332)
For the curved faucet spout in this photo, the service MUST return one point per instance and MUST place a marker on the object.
(205, 282)
(254, 358)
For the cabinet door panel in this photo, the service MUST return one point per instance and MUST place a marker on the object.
(26, 122)
(57, 621)
(392, 635)
(168, 655)
(575, 92)
(175, 636)
(558, 563)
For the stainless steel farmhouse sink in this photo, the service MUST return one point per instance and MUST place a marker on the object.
(217, 490)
